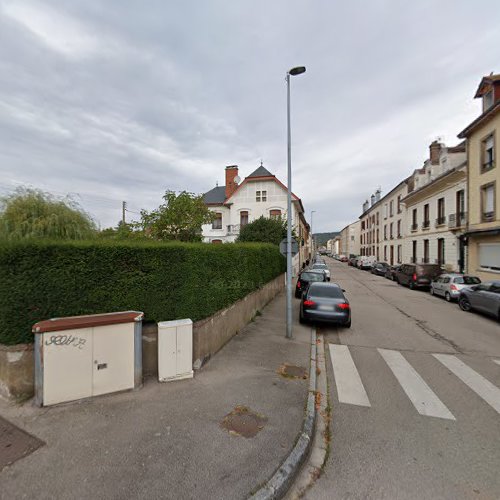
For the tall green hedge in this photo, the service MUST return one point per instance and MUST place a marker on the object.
(41, 280)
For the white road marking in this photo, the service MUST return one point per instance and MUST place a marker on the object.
(420, 394)
(497, 361)
(482, 387)
(349, 386)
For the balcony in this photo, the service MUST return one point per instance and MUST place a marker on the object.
(233, 229)
(440, 221)
(426, 224)
(414, 227)
(457, 220)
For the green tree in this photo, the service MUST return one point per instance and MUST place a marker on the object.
(265, 230)
(123, 231)
(179, 218)
(31, 213)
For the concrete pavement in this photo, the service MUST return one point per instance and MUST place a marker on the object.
(414, 387)
(166, 440)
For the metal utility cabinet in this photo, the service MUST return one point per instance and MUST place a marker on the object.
(175, 350)
(82, 356)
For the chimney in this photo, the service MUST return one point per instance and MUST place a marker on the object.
(372, 199)
(378, 192)
(435, 151)
(231, 185)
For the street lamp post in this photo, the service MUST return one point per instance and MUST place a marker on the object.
(312, 234)
(292, 72)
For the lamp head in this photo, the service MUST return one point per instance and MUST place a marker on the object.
(297, 70)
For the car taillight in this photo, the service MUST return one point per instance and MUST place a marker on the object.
(453, 287)
(309, 303)
(344, 306)
(414, 276)
(299, 284)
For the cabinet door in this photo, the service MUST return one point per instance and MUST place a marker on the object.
(67, 365)
(167, 353)
(184, 349)
(113, 366)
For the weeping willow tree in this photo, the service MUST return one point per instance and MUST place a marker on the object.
(30, 213)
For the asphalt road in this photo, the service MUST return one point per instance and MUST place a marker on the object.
(414, 387)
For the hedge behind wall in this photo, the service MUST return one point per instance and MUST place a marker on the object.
(167, 281)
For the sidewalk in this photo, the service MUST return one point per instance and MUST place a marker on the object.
(166, 440)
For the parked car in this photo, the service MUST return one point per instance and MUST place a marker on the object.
(343, 258)
(323, 267)
(391, 272)
(325, 302)
(380, 268)
(352, 261)
(484, 298)
(305, 278)
(366, 262)
(450, 285)
(418, 275)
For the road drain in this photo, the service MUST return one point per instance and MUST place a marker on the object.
(292, 371)
(243, 422)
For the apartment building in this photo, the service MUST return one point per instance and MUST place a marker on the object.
(393, 225)
(370, 226)
(483, 183)
(350, 239)
(436, 209)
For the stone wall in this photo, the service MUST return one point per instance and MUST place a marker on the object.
(209, 336)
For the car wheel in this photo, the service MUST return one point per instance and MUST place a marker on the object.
(412, 285)
(302, 320)
(447, 296)
(348, 324)
(431, 291)
(464, 304)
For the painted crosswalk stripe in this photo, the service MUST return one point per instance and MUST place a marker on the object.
(419, 393)
(497, 361)
(349, 386)
(482, 387)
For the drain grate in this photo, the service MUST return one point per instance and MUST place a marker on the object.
(292, 371)
(243, 422)
(15, 443)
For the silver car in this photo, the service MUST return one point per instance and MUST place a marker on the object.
(484, 298)
(450, 285)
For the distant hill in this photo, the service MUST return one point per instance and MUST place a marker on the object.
(322, 238)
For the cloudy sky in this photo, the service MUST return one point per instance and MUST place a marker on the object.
(120, 100)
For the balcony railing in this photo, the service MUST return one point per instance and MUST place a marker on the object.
(441, 221)
(233, 229)
(414, 227)
(426, 224)
(457, 220)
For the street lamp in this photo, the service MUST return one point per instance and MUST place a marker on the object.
(312, 234)
(292, 72)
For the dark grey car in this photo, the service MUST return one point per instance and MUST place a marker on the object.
(325, 302)
(483, 298)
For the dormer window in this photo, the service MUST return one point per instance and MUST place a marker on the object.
(487, 100)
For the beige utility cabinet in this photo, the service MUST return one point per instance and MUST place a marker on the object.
(83, 356)
(175, 350)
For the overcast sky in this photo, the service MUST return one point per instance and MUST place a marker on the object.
(117, 100)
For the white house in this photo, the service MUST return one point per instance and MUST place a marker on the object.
(240, 202)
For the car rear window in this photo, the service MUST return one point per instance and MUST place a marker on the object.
(320, 266)
(467, 280)
(312, 276)
(428, 269)
(326, 291)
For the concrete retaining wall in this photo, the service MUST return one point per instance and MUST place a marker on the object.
(209, 336)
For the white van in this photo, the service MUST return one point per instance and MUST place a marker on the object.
(366, 262)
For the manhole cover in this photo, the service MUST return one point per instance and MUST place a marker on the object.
(15, 443)
(243, 422)
(292, 371)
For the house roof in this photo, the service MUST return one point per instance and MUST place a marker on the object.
(480, 120)
(261, 172)
(215, 196)
(485, 82)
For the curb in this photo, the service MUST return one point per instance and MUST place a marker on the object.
(278, 485)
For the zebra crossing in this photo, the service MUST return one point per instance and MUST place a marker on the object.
(350, 388)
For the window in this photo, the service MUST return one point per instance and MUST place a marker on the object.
(399, 229)
(385, 232)
(440, 259)
(391, 235)
(414, 225)
(385, 211)
(487, 100)
(414, 251)
(257, 196)
(243, 218)
(275, 214)
(385, 253)
(217, 242)
(426, 222)
(441, 218)
(352, 238)
(426, 251)
(400, 252)
(391, 208)
(377, 219)
(489, 256)
(217, 222)
(488, 153)
(264, 195)
(488, 202)
(399, 204)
